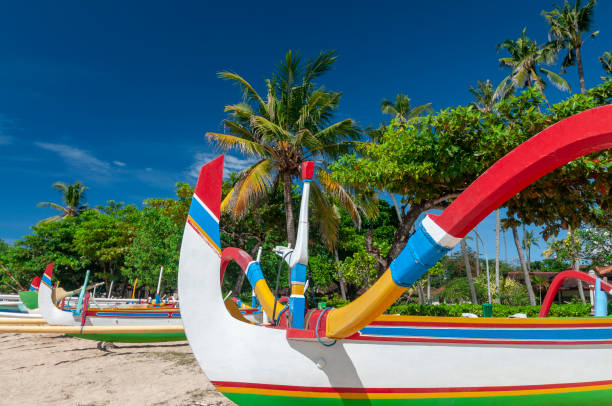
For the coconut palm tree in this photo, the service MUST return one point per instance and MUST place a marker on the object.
(606, 62)
(485, 96)
(290, 125)
(401, 109)
(525, 60)
(73, 197)
(566, 27)
(529, 240)
(468, 271)
(524, 267)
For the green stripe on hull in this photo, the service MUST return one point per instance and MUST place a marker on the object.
(602, 397)
(133, 337)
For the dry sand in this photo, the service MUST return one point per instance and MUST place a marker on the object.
(50, 369)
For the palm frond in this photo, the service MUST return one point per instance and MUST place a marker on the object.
(251, 187)
(51, 205)
(248, 89)
(336, 190)
(556, 80)
(226, 141)
(326, 217)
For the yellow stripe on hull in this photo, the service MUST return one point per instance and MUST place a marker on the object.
(419, 395)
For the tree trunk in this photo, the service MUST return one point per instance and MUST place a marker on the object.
(428, 288)
(526, 248)
(287, 188)
(397, 209)
(580, 70)
(238, 284)
(576, 262)
(517, 242)
(341, 280)
(477, 259)
(468, 272)
(420, 292)
(497, 229)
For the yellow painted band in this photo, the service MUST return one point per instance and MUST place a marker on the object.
(297, 289)
(349, 319)
(266, 298)
(421, 395)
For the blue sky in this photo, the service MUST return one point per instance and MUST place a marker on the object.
(120, 94)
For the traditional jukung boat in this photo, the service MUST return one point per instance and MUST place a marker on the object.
(82, 315)
(20, 306)
(355, 355)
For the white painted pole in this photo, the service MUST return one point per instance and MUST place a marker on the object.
(110, 290)
(161, 271)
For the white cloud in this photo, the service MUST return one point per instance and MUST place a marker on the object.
(76, 157)
(230, 163)
(119, 163)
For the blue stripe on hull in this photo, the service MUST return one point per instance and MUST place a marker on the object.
(203, 218)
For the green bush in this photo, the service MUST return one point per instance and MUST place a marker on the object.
(556, 310)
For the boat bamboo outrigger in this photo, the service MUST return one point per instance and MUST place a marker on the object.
(355, 355)
(82, 315)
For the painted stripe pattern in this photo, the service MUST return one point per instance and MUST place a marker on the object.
(492, 331)
(205, 223)
(407, 393)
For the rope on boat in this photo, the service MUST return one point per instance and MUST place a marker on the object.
(317, 328)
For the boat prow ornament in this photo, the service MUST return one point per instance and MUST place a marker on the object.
(356, 355)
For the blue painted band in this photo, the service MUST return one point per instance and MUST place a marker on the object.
(298, 273)
(601, 300)
(206, 222)
(254, 273)
(46, 280)
(420, 254)
(297, 306)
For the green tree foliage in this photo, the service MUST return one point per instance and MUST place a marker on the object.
(104, 238)
(606, 62)
(156, 243)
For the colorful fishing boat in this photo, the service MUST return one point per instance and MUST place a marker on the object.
(354, 355)
(82, 315)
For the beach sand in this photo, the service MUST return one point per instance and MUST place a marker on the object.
(51, 369)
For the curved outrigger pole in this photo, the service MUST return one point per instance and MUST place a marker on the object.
(569, 139)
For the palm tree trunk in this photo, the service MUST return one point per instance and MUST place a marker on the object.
(468, 271)
(580, 70)
(420, 292)
(497, 229)
(428, 288)
(525, 248)
(517, 242)
(576, 262)
(287, 188)
(341, 280)
(477, 259)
